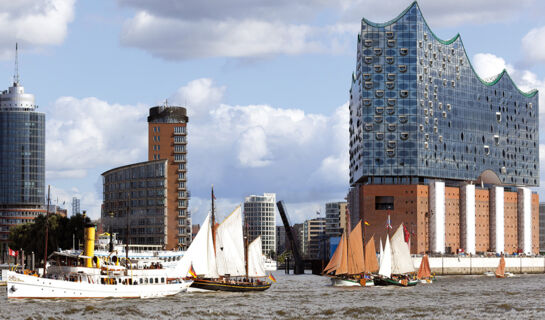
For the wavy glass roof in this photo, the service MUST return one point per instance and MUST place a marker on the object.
(530, 93)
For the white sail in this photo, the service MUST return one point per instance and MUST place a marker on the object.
(256, 266)
(381, 251)
(401, 256)
(385, 268)
(200, 255)
(230, 245)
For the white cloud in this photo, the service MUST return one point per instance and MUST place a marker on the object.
(261, 28)
(487, 65)
(533, 45)
(87, 133)
(242, 150)
(33, 23)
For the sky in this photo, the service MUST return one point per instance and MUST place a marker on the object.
(266, 84)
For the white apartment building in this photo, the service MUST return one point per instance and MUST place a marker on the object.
(260, 220)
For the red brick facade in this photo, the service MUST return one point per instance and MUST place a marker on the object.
(411, 207)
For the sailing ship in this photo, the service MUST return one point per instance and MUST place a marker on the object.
(396, 265)
(424, 272)
(352, 265)
(79, 276)
(500, 270)
(219, 260)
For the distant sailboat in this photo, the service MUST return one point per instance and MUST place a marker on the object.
(500, 270)
(424, 272)
(350, 262)
(396, 264)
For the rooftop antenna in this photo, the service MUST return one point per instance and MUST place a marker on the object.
(16, 72)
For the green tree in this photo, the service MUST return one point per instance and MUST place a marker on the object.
(31, 236)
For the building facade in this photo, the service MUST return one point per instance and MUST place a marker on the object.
(335, 215)
(167, 139)
(314, 239)
(542, 227)
(22, 159)
(135, 200)
(260, 220)
(450, 155)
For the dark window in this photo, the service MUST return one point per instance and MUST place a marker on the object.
(384, 203)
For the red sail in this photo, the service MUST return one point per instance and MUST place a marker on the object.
(424, 271)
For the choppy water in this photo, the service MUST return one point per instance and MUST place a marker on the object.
(312, 297)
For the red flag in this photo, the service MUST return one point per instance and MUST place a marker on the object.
(406, 233)
(13, 253)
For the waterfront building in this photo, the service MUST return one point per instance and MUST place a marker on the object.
(436, 147)
(75, 206)
(281, 240)
(194, 230)
(314, 238)
(335, 215)
(22, 159)
(140, 190)
(156, 190)
(542, 227)
(167, 139)
(260, 220)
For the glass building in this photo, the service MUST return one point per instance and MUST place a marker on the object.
(22, 159)
(419, 110)
(140, 190)
(437, 148)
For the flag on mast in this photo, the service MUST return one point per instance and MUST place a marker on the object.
(388, 223)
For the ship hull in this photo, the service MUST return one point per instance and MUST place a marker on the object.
(21, 286)
(392, 282)
(339, 282)
(211, 285)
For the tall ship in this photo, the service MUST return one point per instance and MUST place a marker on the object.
(79, 276)
(219, 258)
(352, 264)
(396, 265)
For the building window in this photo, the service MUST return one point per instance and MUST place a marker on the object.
(384, 203)
(179, 130)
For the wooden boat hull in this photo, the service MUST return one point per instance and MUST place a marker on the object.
(392, 282)
(212, 285)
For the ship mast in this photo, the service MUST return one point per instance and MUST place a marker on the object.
(46, 229)
(213, 220)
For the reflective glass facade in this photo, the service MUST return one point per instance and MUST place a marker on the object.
(22, 159)
(418, 110)
(139, 189)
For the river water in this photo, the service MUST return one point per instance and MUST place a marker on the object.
(312, 297)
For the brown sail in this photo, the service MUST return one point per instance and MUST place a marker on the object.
(343, 261)
(500, 271)
(335, 259)
(424, 272)
(371, 263)
(356, 263)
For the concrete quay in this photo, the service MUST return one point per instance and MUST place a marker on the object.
(479, 265)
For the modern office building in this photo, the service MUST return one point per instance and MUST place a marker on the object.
(22, 159)
(167, 139)
(139, 189)
(157, 188)
(76, 206)
(436, 147)
(281, 240)
(335, 216)
(314, 239)
(260, 220)
(542, 227)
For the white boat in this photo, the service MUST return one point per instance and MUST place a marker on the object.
(338, 282)
(489, 274)
(88, 276)
(270, 264)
